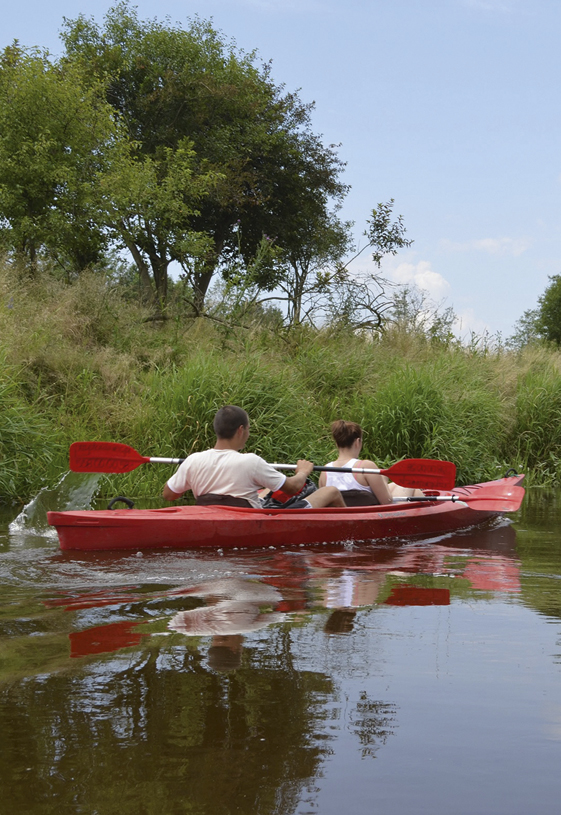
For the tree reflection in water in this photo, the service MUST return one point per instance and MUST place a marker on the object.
(173, 729)
(219, 698)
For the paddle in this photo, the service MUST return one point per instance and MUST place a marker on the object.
(113, 457)
(509, 502)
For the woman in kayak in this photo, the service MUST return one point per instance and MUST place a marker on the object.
(358, 489)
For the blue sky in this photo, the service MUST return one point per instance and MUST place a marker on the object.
(451, 107)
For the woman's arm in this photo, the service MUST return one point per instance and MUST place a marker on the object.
(377, 483)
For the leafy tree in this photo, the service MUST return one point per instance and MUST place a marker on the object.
(313, 280)
(254, 164)
(525, 330)
(413, 312)
(358, 299)
(312, 267)
(549, 311)
(144, 203)
(53, 134)
(543, 322)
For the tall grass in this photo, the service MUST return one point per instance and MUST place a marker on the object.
(28, 443)
(536, 433)
(81, 362)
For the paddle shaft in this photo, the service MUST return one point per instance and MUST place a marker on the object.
(317, 468)
(113, 457)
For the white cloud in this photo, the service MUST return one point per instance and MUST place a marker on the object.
(513, 247)
(421, 275)
(467, 324)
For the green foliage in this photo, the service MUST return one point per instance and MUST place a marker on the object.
(549, 312)
(412, 312)
(536, 434)
(526, 330)
(251, 164)
(28, 442)
(54, 134)
(385, 237)
(81, 362)
(438, 410)
(358, 300)
(405, 415)
(171, 145)
(543, 322)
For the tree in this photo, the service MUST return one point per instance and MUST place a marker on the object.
(310, 269)
(313, 281)
(53, 136)
(543, 322)
(358, 299)
(413, 312)
(254, 162)
(144, 204)
(549, 311)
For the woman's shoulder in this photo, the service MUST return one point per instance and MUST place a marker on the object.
(366, 464)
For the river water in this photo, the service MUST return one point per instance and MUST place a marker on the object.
(394, 678)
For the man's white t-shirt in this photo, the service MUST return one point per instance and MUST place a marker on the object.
(226, 472)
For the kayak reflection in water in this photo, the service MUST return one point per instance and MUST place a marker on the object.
(358, 489)
(225, 476)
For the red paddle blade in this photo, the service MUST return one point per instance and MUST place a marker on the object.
(425, 473)
(506, 500)
(104, 457)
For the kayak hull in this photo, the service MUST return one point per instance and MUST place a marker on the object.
(219, 527)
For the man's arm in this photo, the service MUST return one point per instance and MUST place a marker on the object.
(295, 483)
(170, 495)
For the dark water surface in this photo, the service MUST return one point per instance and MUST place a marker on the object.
(412, 677)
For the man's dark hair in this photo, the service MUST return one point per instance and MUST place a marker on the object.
(228, 419)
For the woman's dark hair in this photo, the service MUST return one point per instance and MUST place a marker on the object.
(345, 433)
(228, 419)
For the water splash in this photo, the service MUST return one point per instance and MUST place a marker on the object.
(73, 491)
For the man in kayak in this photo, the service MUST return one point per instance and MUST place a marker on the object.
(223, 475)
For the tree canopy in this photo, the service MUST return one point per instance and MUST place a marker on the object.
(544, 321)
(254, 165)
(170, 144)
(54, 137)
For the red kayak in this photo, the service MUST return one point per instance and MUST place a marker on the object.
(192, 527)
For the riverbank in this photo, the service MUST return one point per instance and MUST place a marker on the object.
(82, 361)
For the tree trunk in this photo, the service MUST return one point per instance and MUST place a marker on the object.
(159, 263)
(201, 280)
(147, 290)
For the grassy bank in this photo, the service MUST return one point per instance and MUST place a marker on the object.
(81, 362)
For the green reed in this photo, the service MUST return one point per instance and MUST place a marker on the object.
(536, 433)
(28, 444)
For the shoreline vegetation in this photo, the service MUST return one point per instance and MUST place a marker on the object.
(84, 361)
